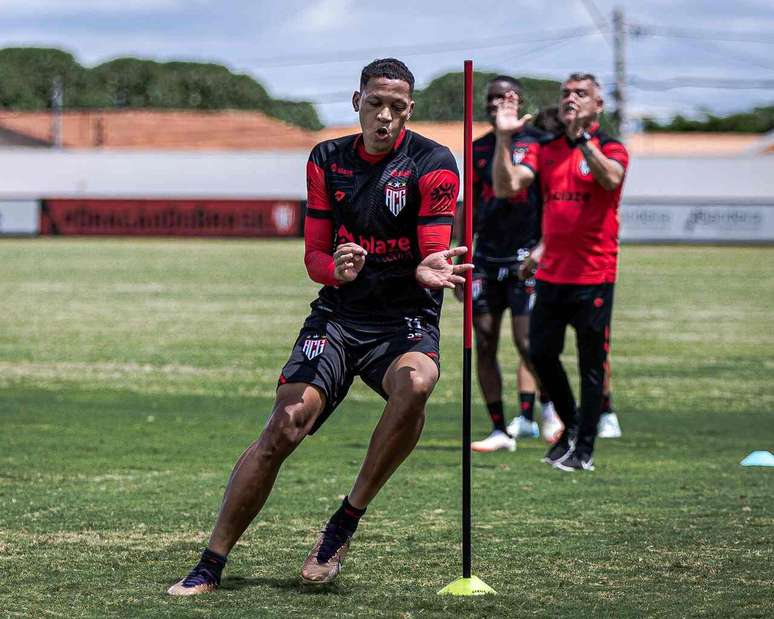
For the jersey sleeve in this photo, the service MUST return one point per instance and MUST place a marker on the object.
(616, 151)
(318, 224)
(527, 155)
(439, 186)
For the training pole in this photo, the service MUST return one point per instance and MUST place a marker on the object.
(468, 584)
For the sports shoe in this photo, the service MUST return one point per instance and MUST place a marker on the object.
(608, 426)
(561, 450)
(575, 463)
(552, 426)
(521, 427)
(199, 580)
(496, 440)
(323, 564)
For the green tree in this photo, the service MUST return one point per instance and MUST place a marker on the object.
(759, 120)
(27, 74)
(442, 99)
(27, 77)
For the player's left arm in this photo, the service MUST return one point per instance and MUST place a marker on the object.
(607, 162)
(439, 186)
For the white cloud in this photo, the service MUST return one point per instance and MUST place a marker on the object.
(39, 8)
(326, 15)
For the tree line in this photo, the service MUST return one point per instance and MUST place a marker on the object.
(759, 120)
(27, 76)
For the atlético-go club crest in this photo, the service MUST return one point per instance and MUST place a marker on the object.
(313, 346)
(584, 167)
(518, 155)
(395, 195)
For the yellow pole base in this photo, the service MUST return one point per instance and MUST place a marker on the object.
(467, 586)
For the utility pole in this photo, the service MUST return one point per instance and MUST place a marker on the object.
(619, 65)
(57, 97)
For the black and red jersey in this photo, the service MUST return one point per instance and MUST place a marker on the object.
(580, 217)
(398, 207)
(504, 226)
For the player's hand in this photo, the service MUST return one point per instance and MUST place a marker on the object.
(507, 121)
(348, 260)
(436, 272)
(528, 268)
(577, 123)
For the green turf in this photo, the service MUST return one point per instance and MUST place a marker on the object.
(133, 373)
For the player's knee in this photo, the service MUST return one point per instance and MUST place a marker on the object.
(522, 345)
(414, 390)
(486, 347)
(287, 426)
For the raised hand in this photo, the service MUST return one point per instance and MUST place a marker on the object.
(507, 119)
(348, 260)
(436, 272)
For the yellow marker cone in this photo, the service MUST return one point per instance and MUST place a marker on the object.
(467, 586)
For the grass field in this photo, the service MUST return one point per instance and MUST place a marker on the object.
(133, 373)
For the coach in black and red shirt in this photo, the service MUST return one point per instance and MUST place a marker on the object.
(379, 216)
(580, 175)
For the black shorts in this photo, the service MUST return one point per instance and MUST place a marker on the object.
(330, 352)
(588, 308)
(496, 290)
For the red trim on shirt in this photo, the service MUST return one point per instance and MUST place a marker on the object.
(318, 233)
(318, 250)
(372, 159)
(439, 190)
(433, 238)
(316, 195)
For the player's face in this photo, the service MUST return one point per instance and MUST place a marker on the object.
(384, 106)
(495, 93)
(579, 99)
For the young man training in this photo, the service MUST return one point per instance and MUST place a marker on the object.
(378, 224)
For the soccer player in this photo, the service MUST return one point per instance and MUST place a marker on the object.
(581, 176)
(506, 230)
(548, 120)
(378, 224)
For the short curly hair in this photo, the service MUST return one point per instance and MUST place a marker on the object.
(391, 68)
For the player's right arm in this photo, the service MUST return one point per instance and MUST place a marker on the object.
(509, 178)
(323, 264)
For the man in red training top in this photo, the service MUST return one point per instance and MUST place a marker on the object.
(580, 175)
(378, 223)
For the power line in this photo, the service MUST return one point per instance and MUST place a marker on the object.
(701, 82)
(740, 57)
(356, 55)
(639, 30)
(343, 96)
(598, 19)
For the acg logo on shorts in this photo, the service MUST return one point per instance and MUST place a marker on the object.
(313, 346)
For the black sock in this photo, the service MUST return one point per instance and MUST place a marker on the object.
(348, 516)
(544, 398)
(496, 415)
(213, 562)
(607, 403)
(527, 405)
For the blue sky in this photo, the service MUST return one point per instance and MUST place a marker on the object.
(314, 50)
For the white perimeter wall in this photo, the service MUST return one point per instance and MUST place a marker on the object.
(665, 199)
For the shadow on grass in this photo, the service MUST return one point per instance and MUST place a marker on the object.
(288, 584)
(437, 448)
